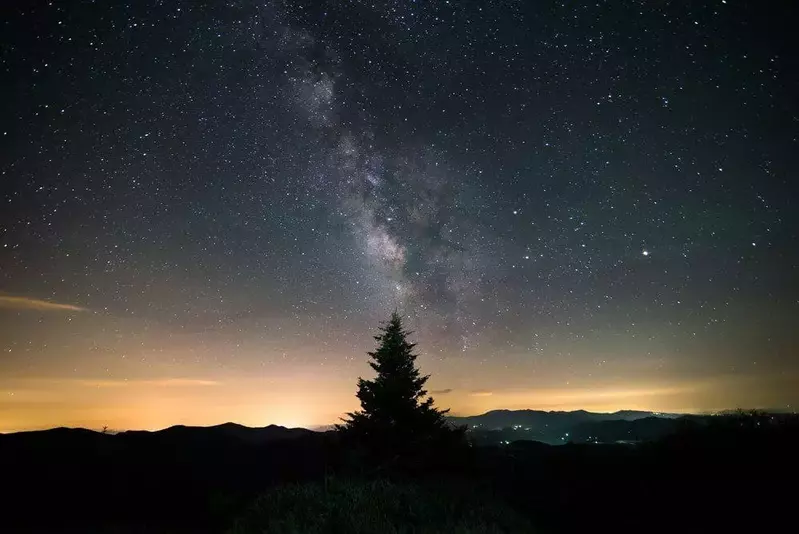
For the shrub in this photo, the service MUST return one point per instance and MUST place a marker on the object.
(376, 507)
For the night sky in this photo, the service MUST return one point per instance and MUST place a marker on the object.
(207, 208)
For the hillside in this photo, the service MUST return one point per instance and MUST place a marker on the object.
(554, 427)
(195, 479)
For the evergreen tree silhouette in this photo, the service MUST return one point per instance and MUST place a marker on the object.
(397, 417)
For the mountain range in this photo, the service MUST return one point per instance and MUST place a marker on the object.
(178, 434)
(490, 428)
(497, 419)
(556, 427)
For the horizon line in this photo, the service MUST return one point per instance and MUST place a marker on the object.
(325, 426)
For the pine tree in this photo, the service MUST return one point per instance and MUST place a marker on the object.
(397, 417)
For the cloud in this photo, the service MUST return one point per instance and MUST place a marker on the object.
(441, 391)
(27, 303)
(481, 393)
(161, 382)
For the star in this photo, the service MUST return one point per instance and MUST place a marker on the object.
(320, 165)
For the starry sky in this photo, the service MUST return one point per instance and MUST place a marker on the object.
(208, 207)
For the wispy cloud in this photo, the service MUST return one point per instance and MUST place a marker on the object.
(27, 303)
(160, 382)
(441, 391)
(481, 393)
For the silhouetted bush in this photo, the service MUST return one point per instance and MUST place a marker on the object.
(376, 507)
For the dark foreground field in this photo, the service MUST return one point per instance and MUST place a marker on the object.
(736, 477)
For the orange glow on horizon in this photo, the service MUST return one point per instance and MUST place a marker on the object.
(308, 401)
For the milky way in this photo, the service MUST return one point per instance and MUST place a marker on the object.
(208, 208)
(403, 204)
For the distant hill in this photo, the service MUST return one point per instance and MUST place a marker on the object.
(550, 427)
(248, 434)
(178, 434)
(636, 430)
(497, 419)
(177, 472)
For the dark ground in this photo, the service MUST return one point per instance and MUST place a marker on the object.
(739, 476)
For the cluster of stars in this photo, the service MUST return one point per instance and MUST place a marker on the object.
(538, 188)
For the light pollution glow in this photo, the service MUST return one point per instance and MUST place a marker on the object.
(97, 369)
(303, 400)
(100, 370)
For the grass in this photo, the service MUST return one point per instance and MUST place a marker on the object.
(360, 507)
